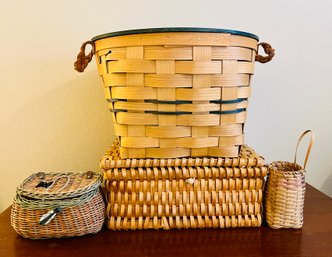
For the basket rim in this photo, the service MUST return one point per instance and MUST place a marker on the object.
(280, 167)
(174, 29)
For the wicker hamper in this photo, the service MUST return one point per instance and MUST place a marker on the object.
(285, 191)
(183, 192)
(177, 92)
(54, 205)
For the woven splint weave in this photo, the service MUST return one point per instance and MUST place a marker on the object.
(177, 92)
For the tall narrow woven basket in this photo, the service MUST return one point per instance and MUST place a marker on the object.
(176, 92)
(285, 191)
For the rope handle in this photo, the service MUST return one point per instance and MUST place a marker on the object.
(83, 60)
(312, 138)
(57, 179)
(268, 50)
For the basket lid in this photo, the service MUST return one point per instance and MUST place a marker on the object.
(174, 29)
(248, 157)
(59, 185)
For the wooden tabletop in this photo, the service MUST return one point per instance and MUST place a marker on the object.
(313, 240)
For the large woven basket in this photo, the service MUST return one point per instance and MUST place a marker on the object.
(177, 92)
(184, 192)
(285, 191)
(54, 205)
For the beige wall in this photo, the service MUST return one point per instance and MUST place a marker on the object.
(54, 119)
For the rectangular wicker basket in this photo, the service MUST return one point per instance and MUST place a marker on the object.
(184, 192)
(176, 92)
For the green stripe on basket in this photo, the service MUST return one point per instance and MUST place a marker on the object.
(182, 113)
(239, 100)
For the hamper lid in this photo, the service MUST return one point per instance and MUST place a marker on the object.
(248, 157)
(59, 185)
(174, 29)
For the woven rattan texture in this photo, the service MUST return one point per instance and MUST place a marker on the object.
(84, 218)
(61, 185)
(81, 203)
(284, 195)
(177, 94)
(167, 197)
(247, 158)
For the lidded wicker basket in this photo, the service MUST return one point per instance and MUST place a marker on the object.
(177, 92)
(285, 191)
(54, 205)
(183, 193)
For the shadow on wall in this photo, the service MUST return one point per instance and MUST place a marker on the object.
(69, 128)
(326, 187)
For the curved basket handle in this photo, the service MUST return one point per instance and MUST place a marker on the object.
(82, 59)
(268, 50)
(312, 138)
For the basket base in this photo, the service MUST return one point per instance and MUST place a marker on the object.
(73, 221)
(167, 223)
